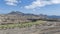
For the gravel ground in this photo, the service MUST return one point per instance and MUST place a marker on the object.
(46, 28)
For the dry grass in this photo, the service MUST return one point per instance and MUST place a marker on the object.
(21, 25)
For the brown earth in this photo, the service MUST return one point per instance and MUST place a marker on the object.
(47, 28)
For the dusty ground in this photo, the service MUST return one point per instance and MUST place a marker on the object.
(46, 28)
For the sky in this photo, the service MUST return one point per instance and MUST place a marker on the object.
(47, 7)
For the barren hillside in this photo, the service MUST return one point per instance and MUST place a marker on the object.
(20, 23)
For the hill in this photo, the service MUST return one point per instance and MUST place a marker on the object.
(19, 17)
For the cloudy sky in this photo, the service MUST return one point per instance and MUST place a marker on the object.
(48, 7)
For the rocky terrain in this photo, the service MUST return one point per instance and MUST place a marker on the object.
(45, 28)
(20, 23)
(16, 17)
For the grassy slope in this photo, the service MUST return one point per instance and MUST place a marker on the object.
(20, 25)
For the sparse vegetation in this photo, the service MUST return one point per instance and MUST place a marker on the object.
(27, 22)
(20, 25)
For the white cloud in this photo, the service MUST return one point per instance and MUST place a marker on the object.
(41, 3)
(11, 2)
(55, 1)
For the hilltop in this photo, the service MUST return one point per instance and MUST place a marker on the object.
(19, 17)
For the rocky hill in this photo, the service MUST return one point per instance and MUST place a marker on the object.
(17, 17)
(17, 22)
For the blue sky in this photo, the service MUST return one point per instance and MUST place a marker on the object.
(48, 7)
